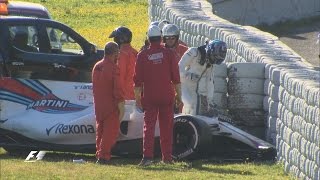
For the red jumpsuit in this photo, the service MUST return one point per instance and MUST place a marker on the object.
(107, 93)
(180, 50)
(182, 43)
(156, 70)
(127, 62)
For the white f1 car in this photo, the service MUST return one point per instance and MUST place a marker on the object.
(59, 116)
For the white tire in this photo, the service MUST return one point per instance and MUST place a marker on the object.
(250, 118)
(220, 85)
(273, 108)
(271, 125)
(220, 70)
(266, 103)
(314, 96)
(246, 86)
(245, 101)
(246, 70)
(266, 85)
(274, 92)
(220, 99)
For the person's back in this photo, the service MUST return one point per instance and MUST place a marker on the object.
(127, 59)
(156, 72)
(127, 62)
(108, 102)
(157, 63)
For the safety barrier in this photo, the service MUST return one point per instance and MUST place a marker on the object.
(291, 86)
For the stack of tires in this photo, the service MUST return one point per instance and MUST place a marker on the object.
(219, 95)
(212, 91)
(273, 92)
(245, 96)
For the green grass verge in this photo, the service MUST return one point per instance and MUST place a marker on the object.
(95, 20)
(60, 166)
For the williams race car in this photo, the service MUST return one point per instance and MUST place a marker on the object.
(59, 116)
(46, 101)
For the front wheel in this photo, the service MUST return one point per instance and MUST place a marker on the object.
(17, 151)
(191, 138)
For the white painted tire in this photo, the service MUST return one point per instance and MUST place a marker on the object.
(266, 85)
(246, 70)
(220, 70)
(296, 138)
(266, 103)
(271, 124)
(317, 156)
(250, 118)
(220, 99)
(245, 86)
(220, 85)
(273, 108)
(274, 92)
(314, 96)
(245, 101)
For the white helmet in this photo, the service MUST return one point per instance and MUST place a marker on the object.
(170, 30)
(163, 23)
(154, 31)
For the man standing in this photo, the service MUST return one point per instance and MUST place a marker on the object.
(171, 35)
(127, 59)
(108, 102)
(196, 72)
(156, 70)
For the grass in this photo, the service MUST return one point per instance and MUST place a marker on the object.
(60, 166)
(95, 20)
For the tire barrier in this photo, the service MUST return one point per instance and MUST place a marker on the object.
(291, 94)
(246, 70)
(246, 95)
(246, 86)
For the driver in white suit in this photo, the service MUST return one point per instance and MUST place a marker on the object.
(196, 73)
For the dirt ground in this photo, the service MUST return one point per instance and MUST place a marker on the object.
(301, 37)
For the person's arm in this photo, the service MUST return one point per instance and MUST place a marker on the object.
(118, 93)
(137, 95)
(138, 81)
(121, 110)
(123, 69)
(186, 60)
(175, 78)
(178, 100)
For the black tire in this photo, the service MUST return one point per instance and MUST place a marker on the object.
(191, 138)
(17, 151)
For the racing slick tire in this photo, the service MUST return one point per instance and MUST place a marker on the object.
(15, 151)
(191, 138)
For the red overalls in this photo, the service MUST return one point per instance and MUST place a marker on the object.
(156, 70)
(180, 50)
(126, 63)
(107, 93)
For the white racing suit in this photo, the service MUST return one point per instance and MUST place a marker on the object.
(197, 84)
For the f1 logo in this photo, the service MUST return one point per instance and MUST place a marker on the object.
(32, 156)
